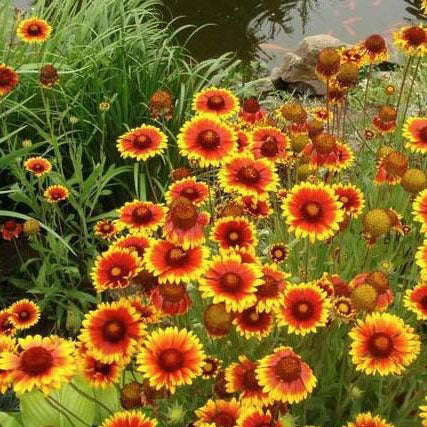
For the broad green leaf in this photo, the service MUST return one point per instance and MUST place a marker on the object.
(110, 398)
(11, 419)
(37, 410)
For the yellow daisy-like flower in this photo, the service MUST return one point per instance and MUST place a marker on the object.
(383, 344)
(230, 281)
(34, 30)
(366, 419)
(7, 345)
(142, 143)
(420, 210)
(411, 40)
(56, 193)
(305, 307)
(24, 314)
(421, 260)
(170, 358)
(129, 419)
(216, 413)
(415, 300)
(423, 413)
(216, 101)
(313, 211)
(415, 132)
(41, 363)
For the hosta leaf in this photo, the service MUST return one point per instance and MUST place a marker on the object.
(10, 419)
(110, 398)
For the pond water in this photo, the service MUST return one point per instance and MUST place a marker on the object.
(263, 29)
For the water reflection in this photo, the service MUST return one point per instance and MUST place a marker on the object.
(265, 28)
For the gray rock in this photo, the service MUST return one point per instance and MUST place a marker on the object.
(298, 69)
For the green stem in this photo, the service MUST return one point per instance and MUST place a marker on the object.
(365, 97)
(57, 408)
(408, 98)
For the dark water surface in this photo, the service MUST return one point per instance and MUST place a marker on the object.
(263, 29)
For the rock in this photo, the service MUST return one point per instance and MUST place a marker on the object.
(298, 70)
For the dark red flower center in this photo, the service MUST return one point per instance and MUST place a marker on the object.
(251, 105)
(172, 292)
(36, 361)
(415, 36)
(249, 175)
(142, 141)
(171, 359)
(344, 200)
(375, 44)
(34, 30)
(190, 193)
(102, 368)
(114, 330)
(234, 237)
(177, 257)
(422, 134)
(146, 280)
(38, 167)
(184, 215)
(5, 77)
(269, 289)
(56, 194)
(249, 381)
(106, 228)
(216, 102)
(302, 310)
(251, 318)
(222, 419)
(312, 211)
(117, 272)
(231, 282)
(10, 225)
(142, 215)
(209, 139)
(423, 302)
(24, 315)
(380, 345)
(288, 368)
(269, 148)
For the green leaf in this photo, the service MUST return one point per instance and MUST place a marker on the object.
(110, 398)
(37, 410)
(10, 419)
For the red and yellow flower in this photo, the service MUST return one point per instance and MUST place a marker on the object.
(129, 419)
(96, 373)
(107, 229)
(248, 177)
(270, 292)
(210, 367)
(112, 331)
(270, 143)
(258, 207)
(343, 309)
(251, 111)
(11, 229)
(142, 143)
(230, 281)
(279, 252)
(207, 140)
(41, 363)
(383, 344)
(7, 328)
(114, 269)
(231, 232)
(148, 312)
(33, 30)
(420, 210)
(9, 78)
(366, 419)
(218, 413)
(241, 378)
(421, 260)
(56, 193)
(415, 300)
(142, 216)
(7, 345)
(171, 298)
(313, 211)
(185, 224)
(175, 264)
(251, 417)
(135, 242)
(38, 166)
(304, 308)
(170, 358)
(216, 101)
(24, 314)
(285, 377)
(415, 133)
(374, 49)
(411, 40)
(351, 197)
(252, 323)
(196, 192)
